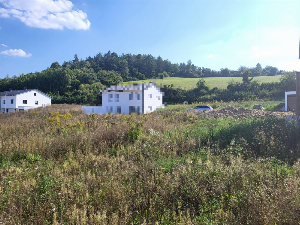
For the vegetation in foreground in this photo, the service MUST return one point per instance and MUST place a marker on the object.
(58, 166)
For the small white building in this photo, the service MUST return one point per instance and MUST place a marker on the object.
(20, 100)
(137, 98)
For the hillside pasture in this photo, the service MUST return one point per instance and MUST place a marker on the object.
(189, 83)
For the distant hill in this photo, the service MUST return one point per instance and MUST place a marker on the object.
(78, 81)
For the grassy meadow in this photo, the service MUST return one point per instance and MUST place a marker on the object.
(219, 82)
(59, 166)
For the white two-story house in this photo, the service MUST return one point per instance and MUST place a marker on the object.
(20, 100)
(137, 98)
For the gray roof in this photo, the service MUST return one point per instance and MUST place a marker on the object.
(17, 92)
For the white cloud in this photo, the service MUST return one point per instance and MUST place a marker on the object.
(4, 45)
(47, 14)
(210, 56)
(15, 52)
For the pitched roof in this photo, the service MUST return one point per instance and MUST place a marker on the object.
(17, 92)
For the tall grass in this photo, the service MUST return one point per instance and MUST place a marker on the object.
(58, 166)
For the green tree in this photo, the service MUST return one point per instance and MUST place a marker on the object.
(225, 72)
(288, 81)
(246, 75)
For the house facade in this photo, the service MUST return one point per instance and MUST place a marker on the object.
(138, 98)
(22, 100)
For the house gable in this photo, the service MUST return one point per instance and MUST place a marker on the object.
(16, 100)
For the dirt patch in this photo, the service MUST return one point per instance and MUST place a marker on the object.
(240, 112)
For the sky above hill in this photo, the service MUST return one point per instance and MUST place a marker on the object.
(211, 33)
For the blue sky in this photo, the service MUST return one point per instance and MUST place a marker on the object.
(211, 33)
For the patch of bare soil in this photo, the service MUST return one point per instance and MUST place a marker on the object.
(240, 112)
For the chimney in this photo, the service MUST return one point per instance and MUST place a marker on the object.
(298, 93)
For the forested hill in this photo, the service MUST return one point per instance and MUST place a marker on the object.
(78, 81)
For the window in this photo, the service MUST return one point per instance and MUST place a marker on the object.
(131, 109)
(150, 95)
(36, 102)
(119, 109)
(131, 96)
(110, 97)
(138, 97)
(150, 108)
(117, 97)
(11, 101)
(3, 101)
(158, 97)
(24, 101)
(109, 109)
(34, 94)
(134, 109)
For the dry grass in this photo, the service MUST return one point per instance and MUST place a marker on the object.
(58, 166)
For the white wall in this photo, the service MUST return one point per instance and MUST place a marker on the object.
(41, 98)
(8, 105)
(152, 99)
(124, 101)
(111, 104)
(92, 109)
(286, 94)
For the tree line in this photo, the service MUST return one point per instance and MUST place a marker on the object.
(78, 81)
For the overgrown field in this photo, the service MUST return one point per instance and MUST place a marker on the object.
(212, 82)
(58, 166)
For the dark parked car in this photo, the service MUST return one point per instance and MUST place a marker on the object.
(201, 108)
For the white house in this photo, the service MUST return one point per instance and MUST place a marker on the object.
(20, 100)
(137, 98)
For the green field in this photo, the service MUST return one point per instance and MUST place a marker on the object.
(219, 82)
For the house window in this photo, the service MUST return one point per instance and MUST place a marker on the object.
(158, 97)
(34, 94)
(36, 102)
(131, 109)
(150, 95)
(3, 101)
(134, 109)
(11, 101)
(110, 97)
(117, 97)
(138, 97)
(150, 108)
(131, 96)
(119, 109)
(109, 109)
(24, 101)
